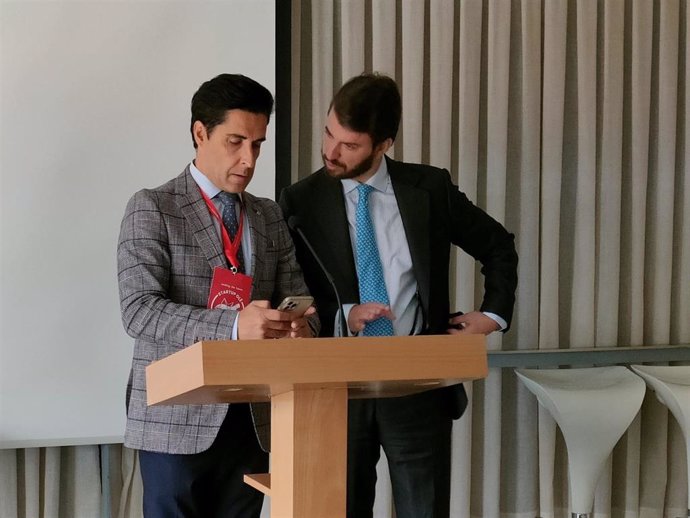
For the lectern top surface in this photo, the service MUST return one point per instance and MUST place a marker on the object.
(253, 370)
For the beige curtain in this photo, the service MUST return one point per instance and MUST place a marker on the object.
(50, 482)
(566, 121)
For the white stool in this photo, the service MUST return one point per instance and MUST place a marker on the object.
(593, 408)
(672, 387)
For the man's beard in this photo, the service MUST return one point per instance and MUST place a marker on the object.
(345, 174)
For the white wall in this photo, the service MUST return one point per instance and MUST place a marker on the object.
(94, 105)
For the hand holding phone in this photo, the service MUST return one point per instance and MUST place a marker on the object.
(296, 305)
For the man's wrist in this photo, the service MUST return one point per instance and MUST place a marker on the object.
(502, 324)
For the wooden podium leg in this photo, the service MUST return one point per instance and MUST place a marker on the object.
(309, 454)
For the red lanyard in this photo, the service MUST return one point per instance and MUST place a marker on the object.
(230, 247)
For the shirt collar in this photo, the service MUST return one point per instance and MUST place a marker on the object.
(206, 185)
(380, 181)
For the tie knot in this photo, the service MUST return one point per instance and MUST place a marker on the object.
(364, 190)
(227, 198)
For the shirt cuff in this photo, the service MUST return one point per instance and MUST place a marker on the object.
(234, 328)
(493, 316)
(336, 325)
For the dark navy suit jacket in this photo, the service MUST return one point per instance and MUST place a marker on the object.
(435, 215)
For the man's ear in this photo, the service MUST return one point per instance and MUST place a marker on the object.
(384, 146)
(199, 132)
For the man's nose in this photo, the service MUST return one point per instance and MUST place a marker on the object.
(248, 156)
(332, 151)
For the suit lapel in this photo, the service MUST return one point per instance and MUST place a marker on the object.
(195, 211)
(413, 203)
(257, 228)
(332, 236)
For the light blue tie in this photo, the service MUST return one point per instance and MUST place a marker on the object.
(372, 287)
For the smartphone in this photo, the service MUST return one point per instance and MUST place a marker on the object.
(296, 304)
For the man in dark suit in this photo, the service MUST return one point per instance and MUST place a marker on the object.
(383, 229)
(199, 234)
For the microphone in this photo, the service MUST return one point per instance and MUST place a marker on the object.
(294, 224)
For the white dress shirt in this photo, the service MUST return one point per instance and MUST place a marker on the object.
(394, 251)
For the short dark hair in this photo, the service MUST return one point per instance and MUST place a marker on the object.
(369, 103)
(216, 96)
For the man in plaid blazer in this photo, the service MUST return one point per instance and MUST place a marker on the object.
(193, 456)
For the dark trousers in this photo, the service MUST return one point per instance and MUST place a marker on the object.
(415, 433)
(207, 484)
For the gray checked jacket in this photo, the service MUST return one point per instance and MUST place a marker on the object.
(166, 254)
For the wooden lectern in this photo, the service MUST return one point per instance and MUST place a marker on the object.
(308, 382)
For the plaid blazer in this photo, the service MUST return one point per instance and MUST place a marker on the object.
(166, 254)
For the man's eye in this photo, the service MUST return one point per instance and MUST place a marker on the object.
(235, 142)
(351, 147)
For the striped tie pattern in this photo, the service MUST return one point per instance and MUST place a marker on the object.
(228, 201)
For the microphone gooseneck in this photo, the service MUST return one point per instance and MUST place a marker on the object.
(294, 224)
